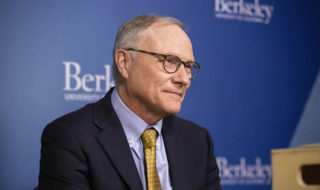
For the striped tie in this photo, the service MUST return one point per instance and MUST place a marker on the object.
(149, 142)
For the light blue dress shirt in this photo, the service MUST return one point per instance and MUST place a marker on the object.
(133, 128)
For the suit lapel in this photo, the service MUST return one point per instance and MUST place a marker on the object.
(174, 150)
(114, 142)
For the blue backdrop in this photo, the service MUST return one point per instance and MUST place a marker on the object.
(260, 61)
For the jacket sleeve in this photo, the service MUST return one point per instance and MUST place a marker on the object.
(62, 164)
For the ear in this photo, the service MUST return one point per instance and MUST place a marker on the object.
(123, 60)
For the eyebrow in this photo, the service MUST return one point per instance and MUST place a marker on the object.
(173, 54)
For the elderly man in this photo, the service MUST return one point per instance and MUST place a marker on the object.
(131, 139)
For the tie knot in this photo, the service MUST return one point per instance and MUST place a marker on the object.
(149, 138)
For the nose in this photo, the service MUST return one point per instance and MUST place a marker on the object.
(181, 76)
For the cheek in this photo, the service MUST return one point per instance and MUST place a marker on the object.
(147, 84)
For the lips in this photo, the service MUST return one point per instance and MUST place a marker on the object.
(174, 93)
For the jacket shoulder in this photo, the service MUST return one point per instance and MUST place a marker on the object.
(187, 127)
(76, 117)
(69, 126)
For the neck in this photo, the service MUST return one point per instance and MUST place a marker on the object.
(138, 108)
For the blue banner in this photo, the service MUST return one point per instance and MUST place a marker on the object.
(260, 60)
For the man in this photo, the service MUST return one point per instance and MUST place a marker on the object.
(104, 145)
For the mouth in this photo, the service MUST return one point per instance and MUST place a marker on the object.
(175, 94)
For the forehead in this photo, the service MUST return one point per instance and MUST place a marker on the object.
(167, 39)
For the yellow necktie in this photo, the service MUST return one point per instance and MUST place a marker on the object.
(149, 142)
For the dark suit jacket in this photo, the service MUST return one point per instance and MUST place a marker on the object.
(87, 149)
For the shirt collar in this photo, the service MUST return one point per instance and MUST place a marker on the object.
(132, 124)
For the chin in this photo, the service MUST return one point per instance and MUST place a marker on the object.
(173, 110)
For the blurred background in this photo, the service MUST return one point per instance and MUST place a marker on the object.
(258, 89)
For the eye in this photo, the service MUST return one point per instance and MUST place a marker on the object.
(172, 59)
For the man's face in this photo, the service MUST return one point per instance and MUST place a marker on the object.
(154, 90)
